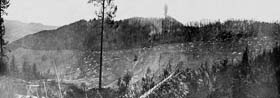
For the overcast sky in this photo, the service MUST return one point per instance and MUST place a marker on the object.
(61, 12)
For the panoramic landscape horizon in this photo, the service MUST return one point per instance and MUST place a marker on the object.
(140, 49)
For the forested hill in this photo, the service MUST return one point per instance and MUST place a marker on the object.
(142, 32)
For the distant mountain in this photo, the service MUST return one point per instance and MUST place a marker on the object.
(16, 29)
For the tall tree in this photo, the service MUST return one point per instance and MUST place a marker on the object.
(4, 5)
(105, 9)
(26, 70)
(13, 70)
(34, 72)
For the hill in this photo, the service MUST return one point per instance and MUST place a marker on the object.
(142, 32)
(134, 45)
(83, 35)
(16, 29)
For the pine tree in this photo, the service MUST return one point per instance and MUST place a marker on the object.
(107, 10)
(3, 65)
(34, 72)
(26, 74)
(240, 76)
(244, 67)
(13, 70)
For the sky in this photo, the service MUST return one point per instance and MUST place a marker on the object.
(62, 12)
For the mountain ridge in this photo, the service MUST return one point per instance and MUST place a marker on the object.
(141, 32)
(16, 29)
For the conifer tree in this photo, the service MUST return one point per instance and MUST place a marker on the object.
(106, 10)
(3, 66)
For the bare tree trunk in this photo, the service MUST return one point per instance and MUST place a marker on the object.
(45, 89)
(101, 46)
(156, 86)
(58, 81)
